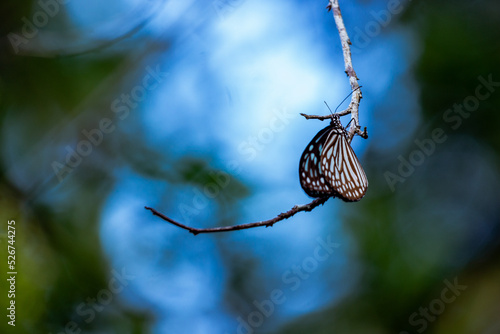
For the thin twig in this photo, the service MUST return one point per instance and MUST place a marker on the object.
(362, 134)
(321, 118)
(266, 223)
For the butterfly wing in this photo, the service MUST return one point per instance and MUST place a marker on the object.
(311, 178)
(341, 167)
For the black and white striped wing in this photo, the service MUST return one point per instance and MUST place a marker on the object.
(311, 178)
(341, 167)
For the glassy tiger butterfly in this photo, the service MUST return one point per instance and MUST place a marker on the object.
(329, 167)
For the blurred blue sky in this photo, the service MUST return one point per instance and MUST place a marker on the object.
(238, 75)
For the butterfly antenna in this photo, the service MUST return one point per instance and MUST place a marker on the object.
(328, 107)
(348, 123)
(345, 98)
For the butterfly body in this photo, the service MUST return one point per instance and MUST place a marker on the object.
(329, 167)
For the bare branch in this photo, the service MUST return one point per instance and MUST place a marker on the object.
(266, 223)
(353, 107)
(349, 69)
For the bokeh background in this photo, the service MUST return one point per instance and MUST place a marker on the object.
(192, 107)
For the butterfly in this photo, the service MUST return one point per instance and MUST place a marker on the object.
(329, 167)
